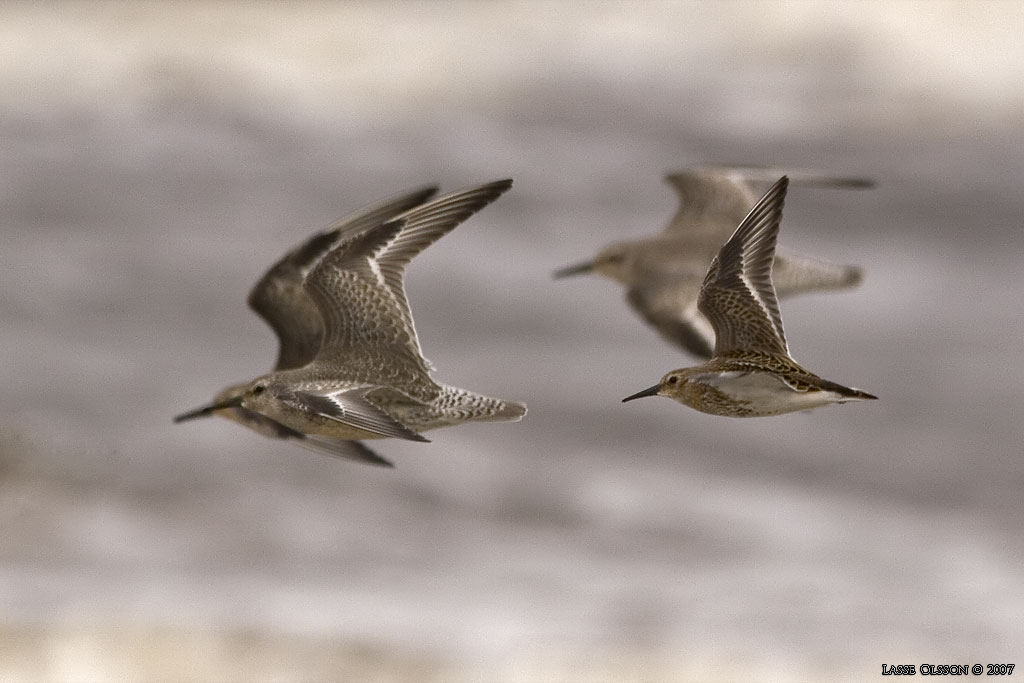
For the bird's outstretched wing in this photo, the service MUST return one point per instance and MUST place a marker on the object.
(671, 308)
(803, 177)
(738, 296)
(712, 201)
(278, 297)
(359, 292)
(424, 225)
(714, 198)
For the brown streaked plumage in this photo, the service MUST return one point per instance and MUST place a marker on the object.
(368, 378)
(279, 298)
(751, 373)
(663, 273)
(281, 301)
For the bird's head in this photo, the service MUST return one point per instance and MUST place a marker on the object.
(672, 385)
(612, 262)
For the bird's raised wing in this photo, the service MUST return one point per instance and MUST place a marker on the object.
(359, 292)
(738, 296)
(712, 201)
(278, 297)
(422, 227)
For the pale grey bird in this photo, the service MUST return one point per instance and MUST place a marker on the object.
(663, 273)
(368, 378)
(751, 373)
(280, 299)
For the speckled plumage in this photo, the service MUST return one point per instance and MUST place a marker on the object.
(280, 299)
(663, 274)
(751, 373)
(367, 377)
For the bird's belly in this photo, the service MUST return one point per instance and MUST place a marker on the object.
(761, 394)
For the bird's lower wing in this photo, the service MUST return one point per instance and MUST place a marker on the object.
(348, 450)
(672, 310)
(350, 407)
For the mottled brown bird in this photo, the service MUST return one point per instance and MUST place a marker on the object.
(751, 373)
(350, 365)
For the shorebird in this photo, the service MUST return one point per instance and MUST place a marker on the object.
(279, 298)
(350, 365)
(751, 373)
(663, 273)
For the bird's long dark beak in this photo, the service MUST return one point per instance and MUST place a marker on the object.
(205, 411)
(649, 391)
(574, 269)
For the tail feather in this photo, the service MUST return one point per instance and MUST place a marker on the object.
(510, 411)
(478, 408)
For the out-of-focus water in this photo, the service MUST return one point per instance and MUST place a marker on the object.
(157, 158)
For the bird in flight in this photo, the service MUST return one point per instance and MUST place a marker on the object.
(751, 373)
(663, 273)
(350, 365)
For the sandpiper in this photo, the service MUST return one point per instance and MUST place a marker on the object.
(751, 373)
(279, 298)
(367, 377)
(663, 273)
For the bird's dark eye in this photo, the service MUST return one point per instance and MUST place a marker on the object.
(258, 389)
(673, 379)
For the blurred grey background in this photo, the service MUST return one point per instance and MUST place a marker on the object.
(158, 157)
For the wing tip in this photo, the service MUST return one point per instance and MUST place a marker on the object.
(854, 276)
(367, 456)
(767, 173)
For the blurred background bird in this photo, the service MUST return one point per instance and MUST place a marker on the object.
(663, 273)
